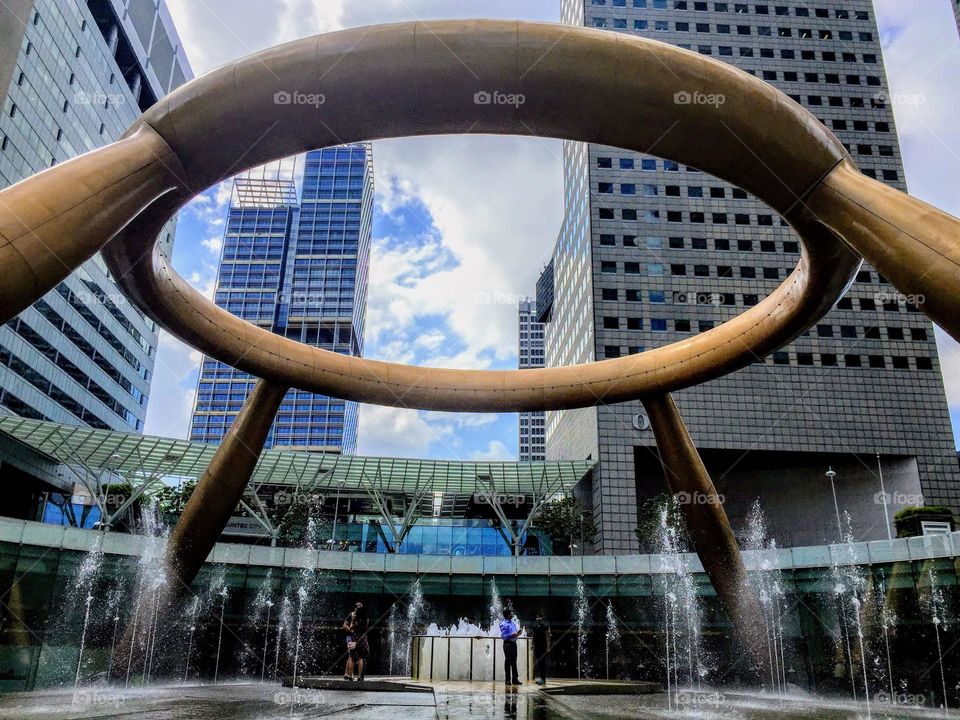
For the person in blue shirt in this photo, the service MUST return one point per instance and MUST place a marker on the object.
(509, 632)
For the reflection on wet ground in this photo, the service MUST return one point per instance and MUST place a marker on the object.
(493, 702)
(449, 701)
(528, 704)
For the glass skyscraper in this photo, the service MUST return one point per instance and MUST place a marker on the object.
(530, 355)
(651, 252)
(297, 267)
(75, 75)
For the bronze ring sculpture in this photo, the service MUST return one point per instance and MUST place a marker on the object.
(445, 77)
(421, 78)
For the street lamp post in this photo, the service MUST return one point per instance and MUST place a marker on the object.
(836, 508)
(336, 509)
(883, 495)
(106, 519)
(583, 543)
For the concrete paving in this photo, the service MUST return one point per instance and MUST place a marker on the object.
(229, 701)
(447, 701)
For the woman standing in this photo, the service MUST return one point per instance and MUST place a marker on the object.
(356, 626)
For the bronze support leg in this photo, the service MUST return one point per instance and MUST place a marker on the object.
(707, 524)
(207, 511)
(221, 486)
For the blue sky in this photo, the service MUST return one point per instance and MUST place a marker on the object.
(463, 224)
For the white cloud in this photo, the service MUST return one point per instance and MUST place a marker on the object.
(213, 244)
(950, 367)
(395, 274)
(495, 206)
(204, 281)
(461, 421)
(215, 32)
(173, 388)
(402, 432)
(922, 53)
(395, 432)
(398, 351)
(311, 16)
(210, 206)
(496, 450)
(431, 340)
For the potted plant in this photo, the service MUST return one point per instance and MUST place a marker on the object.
(909, 521)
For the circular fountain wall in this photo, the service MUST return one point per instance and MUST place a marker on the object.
(476, 658)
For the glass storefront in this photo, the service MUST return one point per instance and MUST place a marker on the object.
(430, 536)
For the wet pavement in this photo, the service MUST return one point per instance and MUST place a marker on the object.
(252, 701)
(448, 701)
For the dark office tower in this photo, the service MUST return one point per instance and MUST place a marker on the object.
(297, 267)
(652, 252)
(74, 75)
(530, 355)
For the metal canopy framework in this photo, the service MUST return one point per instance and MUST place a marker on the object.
(375, 489)
(144, 461)
(130, 454)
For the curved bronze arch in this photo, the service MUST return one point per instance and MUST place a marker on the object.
(445, 77)
(420, 78)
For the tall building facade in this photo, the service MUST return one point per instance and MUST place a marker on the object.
(76, 74)
(651, 252)
(532, 433)
(297, 267)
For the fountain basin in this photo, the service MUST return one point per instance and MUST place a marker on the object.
(453, 657)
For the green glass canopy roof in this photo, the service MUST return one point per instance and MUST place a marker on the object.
(143, 456)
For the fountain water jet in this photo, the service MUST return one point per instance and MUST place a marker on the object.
(684, 658)
(86, 577)
(83, 638)
(495, 608)
(581, 611)
(887, 623)
(308, 583)
(223, 609)
(850, 590)
(266, 637)
(191, 627)
(768, 580)
(613, 633)
(301, 597)
(151, 585)
(262, 611)
(283, 622)
(401, 629)
(391, 637)
(935, 604)
(113, 644)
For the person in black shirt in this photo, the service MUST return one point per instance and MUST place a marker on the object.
(541, 648)
(358, 648)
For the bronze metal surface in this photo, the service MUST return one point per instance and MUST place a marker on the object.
(205, 515)
(707, 525)
(432, 77)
